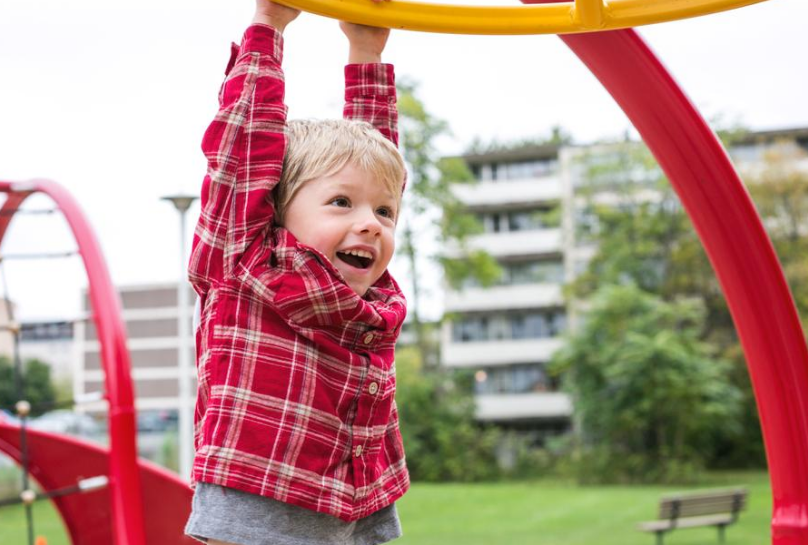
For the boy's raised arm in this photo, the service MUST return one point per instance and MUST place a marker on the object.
(244, 146)
(370, 86)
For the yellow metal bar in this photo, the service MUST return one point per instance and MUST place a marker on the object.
(589, 13)
(559, 18)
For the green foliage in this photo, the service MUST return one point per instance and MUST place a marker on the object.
(38, 389)
(436, 412)
(780, 192)
(169, 456)
(648, 393)
(558, 137)
(432, 177)
(645, 238)
(485, 268)
(429, 189)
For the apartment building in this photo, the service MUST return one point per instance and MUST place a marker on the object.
(151, 317)
(530, 203)
(509, 331)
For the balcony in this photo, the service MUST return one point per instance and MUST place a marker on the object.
(499, 407)
(473, 354)
(491, 195)
(513, 244)
(525, 296)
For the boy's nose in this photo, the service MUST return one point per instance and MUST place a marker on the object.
(368, 223)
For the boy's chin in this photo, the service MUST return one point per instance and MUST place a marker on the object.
(360, 289)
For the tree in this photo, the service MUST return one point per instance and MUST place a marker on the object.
(436, 411)
(429, 194)
(558, 136)
(780, 192)
(645, 237)
(38, 389)
(648, 394)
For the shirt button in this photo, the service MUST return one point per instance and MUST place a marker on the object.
(368, 338)
(373, 388)
(358, 450)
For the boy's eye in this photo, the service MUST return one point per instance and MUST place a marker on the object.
(341, 201)
(385, 212)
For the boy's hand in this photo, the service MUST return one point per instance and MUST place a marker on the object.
(366, 42)
(274, 15)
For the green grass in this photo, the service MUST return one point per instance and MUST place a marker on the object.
(536, 513)
(556, 513)
(47, 523)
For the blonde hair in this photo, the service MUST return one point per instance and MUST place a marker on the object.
(319, 148)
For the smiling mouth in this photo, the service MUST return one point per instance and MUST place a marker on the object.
(355, 261)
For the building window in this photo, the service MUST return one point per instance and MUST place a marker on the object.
(520, 170)
(514, 326)
(513, 379)
(533, 219)
(524, 272)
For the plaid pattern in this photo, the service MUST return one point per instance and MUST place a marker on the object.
(296, 371)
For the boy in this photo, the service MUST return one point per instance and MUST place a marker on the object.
(296, 428)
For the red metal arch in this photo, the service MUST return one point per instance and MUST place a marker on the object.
(125, 488)
(739, 249)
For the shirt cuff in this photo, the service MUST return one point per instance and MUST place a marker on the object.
(369, 80)
(258, 39)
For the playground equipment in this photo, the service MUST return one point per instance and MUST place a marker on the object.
(696, 164)
(538, 18)
(96, 514)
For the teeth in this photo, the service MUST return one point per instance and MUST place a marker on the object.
(359, 253)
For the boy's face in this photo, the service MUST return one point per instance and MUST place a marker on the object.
(349, 211)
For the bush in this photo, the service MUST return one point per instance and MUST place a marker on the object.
(442, 441)
(649, 397)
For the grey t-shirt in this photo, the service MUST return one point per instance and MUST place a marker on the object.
(230, 515)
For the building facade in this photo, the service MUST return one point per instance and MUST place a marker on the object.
(508, 332)
(530, 202)
(150, 315)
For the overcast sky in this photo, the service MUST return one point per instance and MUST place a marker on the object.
(111, 98)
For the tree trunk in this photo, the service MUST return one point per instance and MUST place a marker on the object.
(420, 335)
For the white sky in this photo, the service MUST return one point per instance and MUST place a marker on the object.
(110, 99)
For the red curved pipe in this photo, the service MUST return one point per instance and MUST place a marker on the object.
(125, 486)
(59, 461)
(738, 247)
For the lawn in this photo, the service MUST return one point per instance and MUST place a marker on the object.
(536, 513)
(554, 513)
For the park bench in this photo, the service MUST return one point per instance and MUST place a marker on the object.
(718, 508)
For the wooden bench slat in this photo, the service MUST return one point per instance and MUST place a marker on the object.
(714, 492)
(706, 501)
(687, 509)
(690, 522)
(713, 502)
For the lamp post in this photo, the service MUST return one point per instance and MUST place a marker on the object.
(182, 203)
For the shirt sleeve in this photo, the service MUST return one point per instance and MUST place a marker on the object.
(370, 95)
(244, 147)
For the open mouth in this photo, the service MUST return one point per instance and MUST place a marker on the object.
(356, 258)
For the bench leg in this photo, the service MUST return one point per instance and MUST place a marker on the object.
(659, 537)
(721, 536)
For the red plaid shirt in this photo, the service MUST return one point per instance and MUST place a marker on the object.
(296, 371)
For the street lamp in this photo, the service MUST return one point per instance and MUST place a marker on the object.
(182, 203)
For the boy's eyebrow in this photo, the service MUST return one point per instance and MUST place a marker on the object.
(340, 186)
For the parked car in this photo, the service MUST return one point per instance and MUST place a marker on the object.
(9, 417)
(63, 421)
(156, 420)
